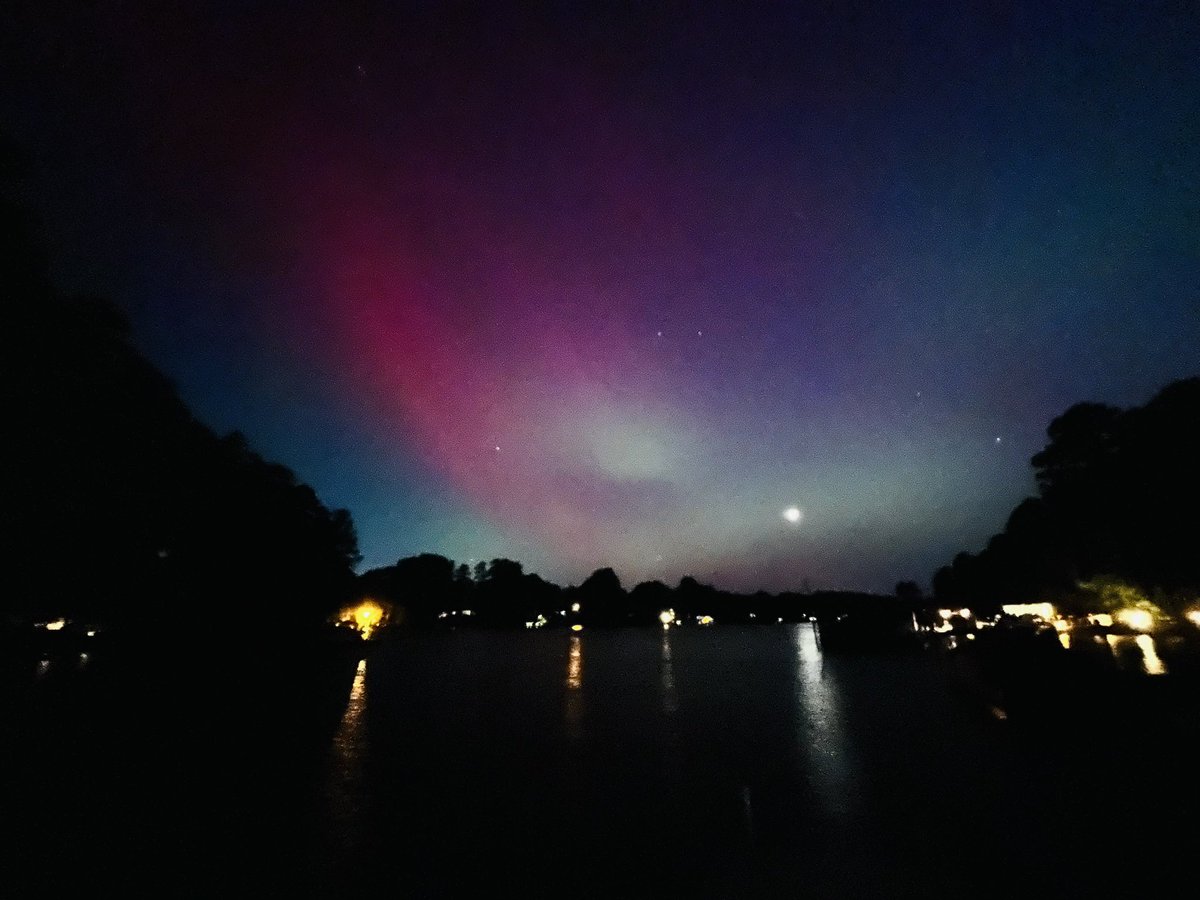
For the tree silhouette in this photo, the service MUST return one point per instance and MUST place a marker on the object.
(418, 587)
(909, 593)
(602, 598)
(1117, 494)
(121, 506)
(648, 599)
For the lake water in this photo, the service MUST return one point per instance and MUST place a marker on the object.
(632, 762)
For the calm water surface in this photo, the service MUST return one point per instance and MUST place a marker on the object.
(714, 761)
(634, 762)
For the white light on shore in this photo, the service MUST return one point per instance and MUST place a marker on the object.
(1137, 619)
(1039, 610)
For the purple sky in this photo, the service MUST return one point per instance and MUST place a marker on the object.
(584, 290)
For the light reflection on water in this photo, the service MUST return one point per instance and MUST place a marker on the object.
(345, 785)
(670, 699)
(575, 664)
(1151, 661)
(573, 712)
(819, 727)
(349, 739)
(671, 776)
(1140, 651)
(748, 744)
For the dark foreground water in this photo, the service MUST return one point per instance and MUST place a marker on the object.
(715, 762)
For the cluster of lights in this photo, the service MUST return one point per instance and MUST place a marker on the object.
(368, 616)
(669, 617)
(365, 618)
(59, 624)
(946, 615)
(1141, 619)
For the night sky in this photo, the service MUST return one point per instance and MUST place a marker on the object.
(583, 288)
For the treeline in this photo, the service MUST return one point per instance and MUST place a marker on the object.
(431, 590)
(1116, 519)
(118, 505)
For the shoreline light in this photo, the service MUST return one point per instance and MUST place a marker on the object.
(1137, 619)
(366, 617)
(1038, 610)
